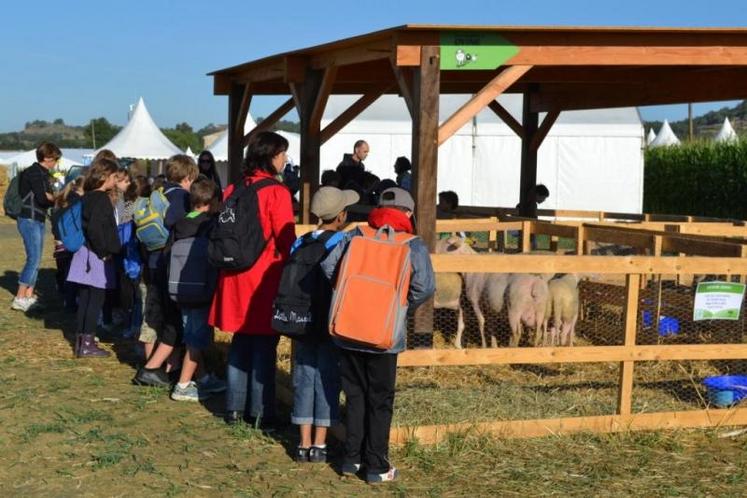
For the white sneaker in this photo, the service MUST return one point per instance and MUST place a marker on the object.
(390, 475)
(21, 303)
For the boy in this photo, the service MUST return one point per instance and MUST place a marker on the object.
(368, 375)
(198, 335)
(316, 376)
(160, 312)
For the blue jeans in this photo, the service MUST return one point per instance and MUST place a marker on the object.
(197, 333)
(32, 233)
(251, 374)
(316, 383)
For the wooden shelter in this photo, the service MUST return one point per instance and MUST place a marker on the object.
(556, 69)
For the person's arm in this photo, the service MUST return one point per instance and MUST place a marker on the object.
(422, 279)
(42, 198)
(178, 208)
(101, 230)
(331, 261)
(282, 224)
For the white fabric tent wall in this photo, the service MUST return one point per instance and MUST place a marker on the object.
(141, 138)
(26, 159)
(585, 155)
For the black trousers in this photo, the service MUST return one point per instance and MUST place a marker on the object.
(368, 382)
(90, 303)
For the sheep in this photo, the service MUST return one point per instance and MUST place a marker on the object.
(491, 286)
(448, 296)
(564, 305)
(527, 303)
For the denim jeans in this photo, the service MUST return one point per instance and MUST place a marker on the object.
(251, 374)
(32, 233)
(316, 383)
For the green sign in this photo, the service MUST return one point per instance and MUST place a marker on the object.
(475, 50)
(718, 301)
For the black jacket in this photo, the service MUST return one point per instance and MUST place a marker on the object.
(99, 225)
(199, 226)
(35, 179)
(351, 173)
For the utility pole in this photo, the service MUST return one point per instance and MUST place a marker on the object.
(690, 120)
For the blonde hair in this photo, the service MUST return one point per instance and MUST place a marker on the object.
(61, 199)
(179, 167)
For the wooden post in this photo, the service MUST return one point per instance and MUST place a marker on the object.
(530, 124)
(425, 97)
(580, 240)
(625, 400)
(306, 95)
(493, 237)
(526, 236)
(237, 95)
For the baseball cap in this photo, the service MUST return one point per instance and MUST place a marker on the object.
(397, 197)
(328, 202)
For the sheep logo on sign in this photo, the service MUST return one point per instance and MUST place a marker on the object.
(463, 58)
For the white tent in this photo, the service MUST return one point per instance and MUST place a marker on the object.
(587, 155)
(726, 133)
(665, 136)
(189, 152)
(219, 148)
(141, 138)
(26, 159)
(651, 136)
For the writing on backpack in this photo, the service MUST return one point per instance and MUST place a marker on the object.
(237, 240)
(370, 297)
(149, 217)
(13, 203)
(302, 303)
(70, 227)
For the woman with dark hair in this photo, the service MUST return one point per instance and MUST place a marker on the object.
(206, 163)
(402, 168)
(243, 300)
(92, 266)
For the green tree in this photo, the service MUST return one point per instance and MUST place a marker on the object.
(102, 129)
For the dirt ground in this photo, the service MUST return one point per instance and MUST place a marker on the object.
(79, 428)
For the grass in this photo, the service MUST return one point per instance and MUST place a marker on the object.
(80, 427)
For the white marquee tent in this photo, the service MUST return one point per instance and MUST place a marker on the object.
(141, 138)
(726, 133)
(587, 156)
(25, 159)
(665, 136)
(651, 136)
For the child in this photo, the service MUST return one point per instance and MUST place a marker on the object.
(92, 266)
(198, 335)
(367, 374)
(146, 335)
(316, 376)
(70, 194)
(161, 313)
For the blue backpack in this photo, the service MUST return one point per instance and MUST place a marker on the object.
(70, 227)
(149, 219)
(131, 261)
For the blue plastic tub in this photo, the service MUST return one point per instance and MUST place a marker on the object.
(667, 324)
(726, 390)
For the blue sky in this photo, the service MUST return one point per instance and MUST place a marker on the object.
(79, 59)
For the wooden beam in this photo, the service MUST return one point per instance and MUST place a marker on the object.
(352, 112)
(407, 55)
(358, 54)
(431, 434)
(320, 104)
(306, 96)
(528, 168)
(246, 101)
(507, 118)
(270, 120)
(576, 354)
(488, 93)
(425, 105)
(603, 265)
(235, 150)
(404, 78)
(544, 129)
(625, 396)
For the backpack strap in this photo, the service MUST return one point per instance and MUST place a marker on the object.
(265, 182)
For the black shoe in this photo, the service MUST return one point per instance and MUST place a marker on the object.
(302, 455)
(151, 377)
(233, 417)
(317, 454)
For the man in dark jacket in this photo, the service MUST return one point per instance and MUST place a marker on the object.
(36, 192)
(351, 168)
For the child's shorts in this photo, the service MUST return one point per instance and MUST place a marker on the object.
(197, 333)
(316, 383)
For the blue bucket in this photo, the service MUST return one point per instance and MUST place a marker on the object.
(667, 324)
(726, 390)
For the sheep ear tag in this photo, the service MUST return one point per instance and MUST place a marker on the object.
(475, 50)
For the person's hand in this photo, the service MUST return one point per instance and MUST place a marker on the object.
(50, 197)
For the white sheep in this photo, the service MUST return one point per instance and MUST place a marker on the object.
(527, 303)
(448, 296)
(563, 304)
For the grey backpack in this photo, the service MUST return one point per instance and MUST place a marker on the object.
(192, 279)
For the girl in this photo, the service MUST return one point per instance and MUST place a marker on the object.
(206, 163)
(92, 266)
(70, 194)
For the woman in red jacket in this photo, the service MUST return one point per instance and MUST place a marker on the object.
(243, 300)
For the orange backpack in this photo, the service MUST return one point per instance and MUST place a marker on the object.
(372, 285)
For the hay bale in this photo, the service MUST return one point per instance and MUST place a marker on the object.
(4, 181)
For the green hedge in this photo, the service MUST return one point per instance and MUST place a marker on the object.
(698, 179)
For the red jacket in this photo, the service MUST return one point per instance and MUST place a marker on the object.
(243, 300)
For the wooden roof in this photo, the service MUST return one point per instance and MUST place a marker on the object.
(570, 67)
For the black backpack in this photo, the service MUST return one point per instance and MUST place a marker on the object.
(301, 306)
(237, 241)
